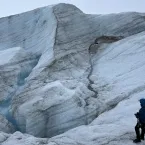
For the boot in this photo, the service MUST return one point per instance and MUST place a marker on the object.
(136, 140)
(142, 132)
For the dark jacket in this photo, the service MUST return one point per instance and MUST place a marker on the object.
(141, 113)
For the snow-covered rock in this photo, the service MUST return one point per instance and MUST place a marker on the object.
(6, 126)
(70, 86)
(21, 139)
(3, 137)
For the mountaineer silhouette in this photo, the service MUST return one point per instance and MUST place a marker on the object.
(140, 122)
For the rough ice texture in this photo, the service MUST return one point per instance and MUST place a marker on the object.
(15, 64)
(6, 126)
(74, 80)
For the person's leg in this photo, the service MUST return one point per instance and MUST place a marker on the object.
(142, 131)
(137, 134)
(137, 131)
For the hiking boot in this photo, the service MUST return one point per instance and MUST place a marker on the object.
(136, 140)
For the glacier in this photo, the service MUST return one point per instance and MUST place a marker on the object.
(70, 78)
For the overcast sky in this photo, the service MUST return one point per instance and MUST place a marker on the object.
(9, 7)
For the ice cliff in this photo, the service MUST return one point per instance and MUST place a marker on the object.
(62, 69)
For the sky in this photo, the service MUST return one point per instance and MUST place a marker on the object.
(10, 7)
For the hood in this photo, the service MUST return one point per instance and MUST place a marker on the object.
(142, 102)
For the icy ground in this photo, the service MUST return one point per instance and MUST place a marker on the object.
(55, 83)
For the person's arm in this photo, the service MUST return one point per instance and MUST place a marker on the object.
(137, 115)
